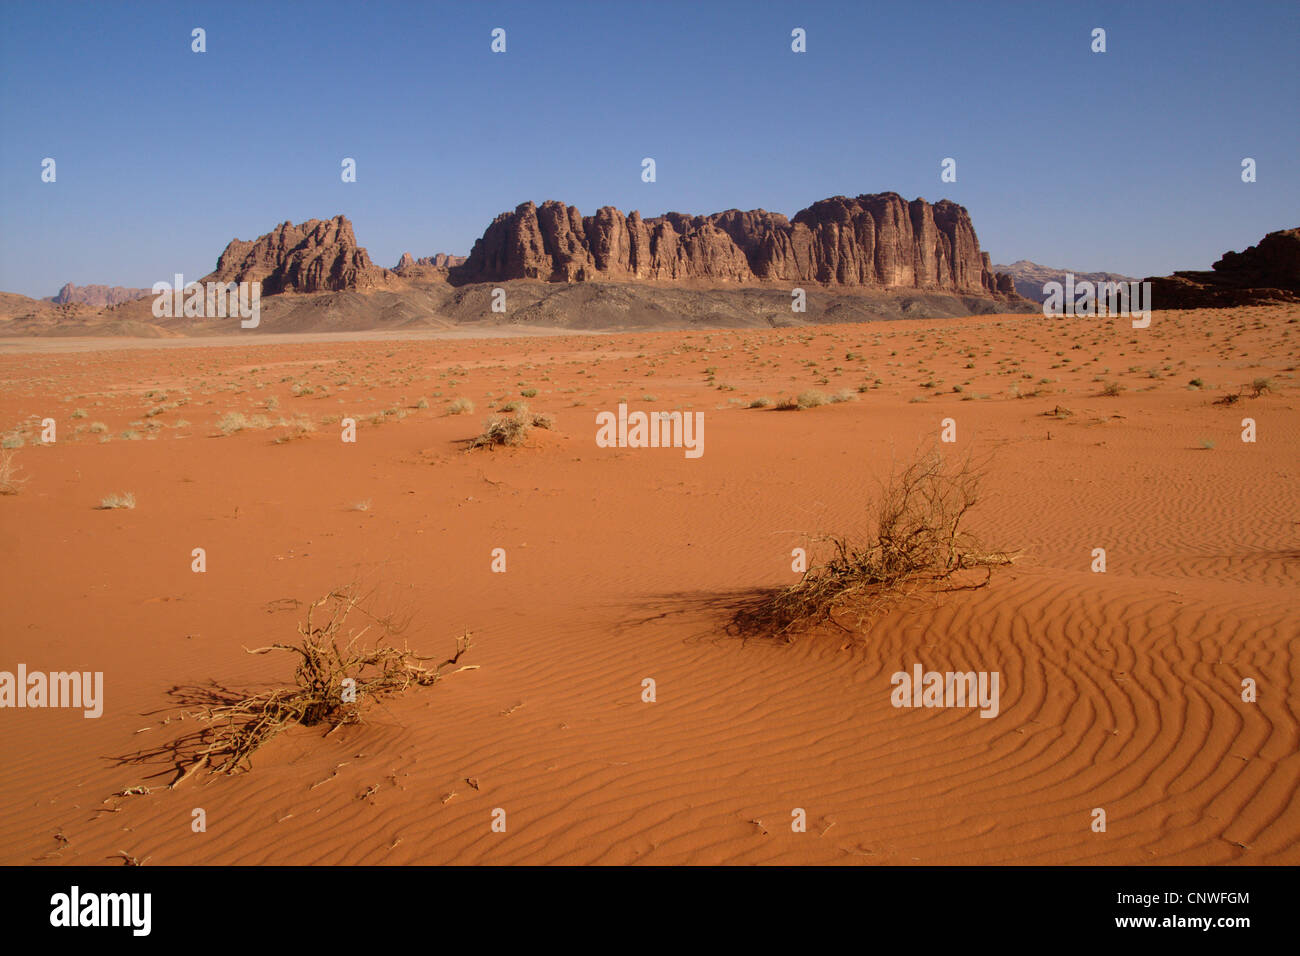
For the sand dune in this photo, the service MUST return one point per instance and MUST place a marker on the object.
(1120, 690)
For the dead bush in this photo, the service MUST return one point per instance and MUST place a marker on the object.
(919, 538)
(10, 481)
(510, 430)
(337, 676)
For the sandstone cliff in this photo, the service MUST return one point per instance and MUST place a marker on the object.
(409, 265)
(876, 241)
(315, 256)
(1267, 272)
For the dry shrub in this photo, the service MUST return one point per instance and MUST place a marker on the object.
(919, 539)
(329, 653)
(460, 406)
(300, 427)
(512, 430)
(1258, 388)
(10, 481)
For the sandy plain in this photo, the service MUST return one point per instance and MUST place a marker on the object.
(1119, 690)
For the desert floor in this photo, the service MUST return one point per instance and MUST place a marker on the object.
(1119, 690)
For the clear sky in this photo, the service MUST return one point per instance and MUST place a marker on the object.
(1127, 161)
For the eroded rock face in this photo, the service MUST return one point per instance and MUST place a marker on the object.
(873, 241)
(439, 260)
(314, 256)
(1272, 264)
(1266, 272)
(876, 241)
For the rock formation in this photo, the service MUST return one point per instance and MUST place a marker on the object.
(315, 256)
(441, 260)
(99, 296)
(1267, 272)
(873, 241)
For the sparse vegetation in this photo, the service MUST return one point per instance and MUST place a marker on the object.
(919, 538)
(232, 422)
(300, 427)
(336, 678)
(513, 430)
(10, 481)
(460, 406)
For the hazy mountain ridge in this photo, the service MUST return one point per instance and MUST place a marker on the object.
(1030, 277)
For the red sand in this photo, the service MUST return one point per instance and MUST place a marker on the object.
(1119, 691)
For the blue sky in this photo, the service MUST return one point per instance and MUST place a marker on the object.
(1127, 161)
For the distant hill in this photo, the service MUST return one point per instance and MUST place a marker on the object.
(99, 296)
(1030, 277)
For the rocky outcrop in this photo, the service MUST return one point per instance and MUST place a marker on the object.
(1029, 278)
(98, 296)
(408, 265)
(315, 256)
(1267, 272)
(876, 241)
